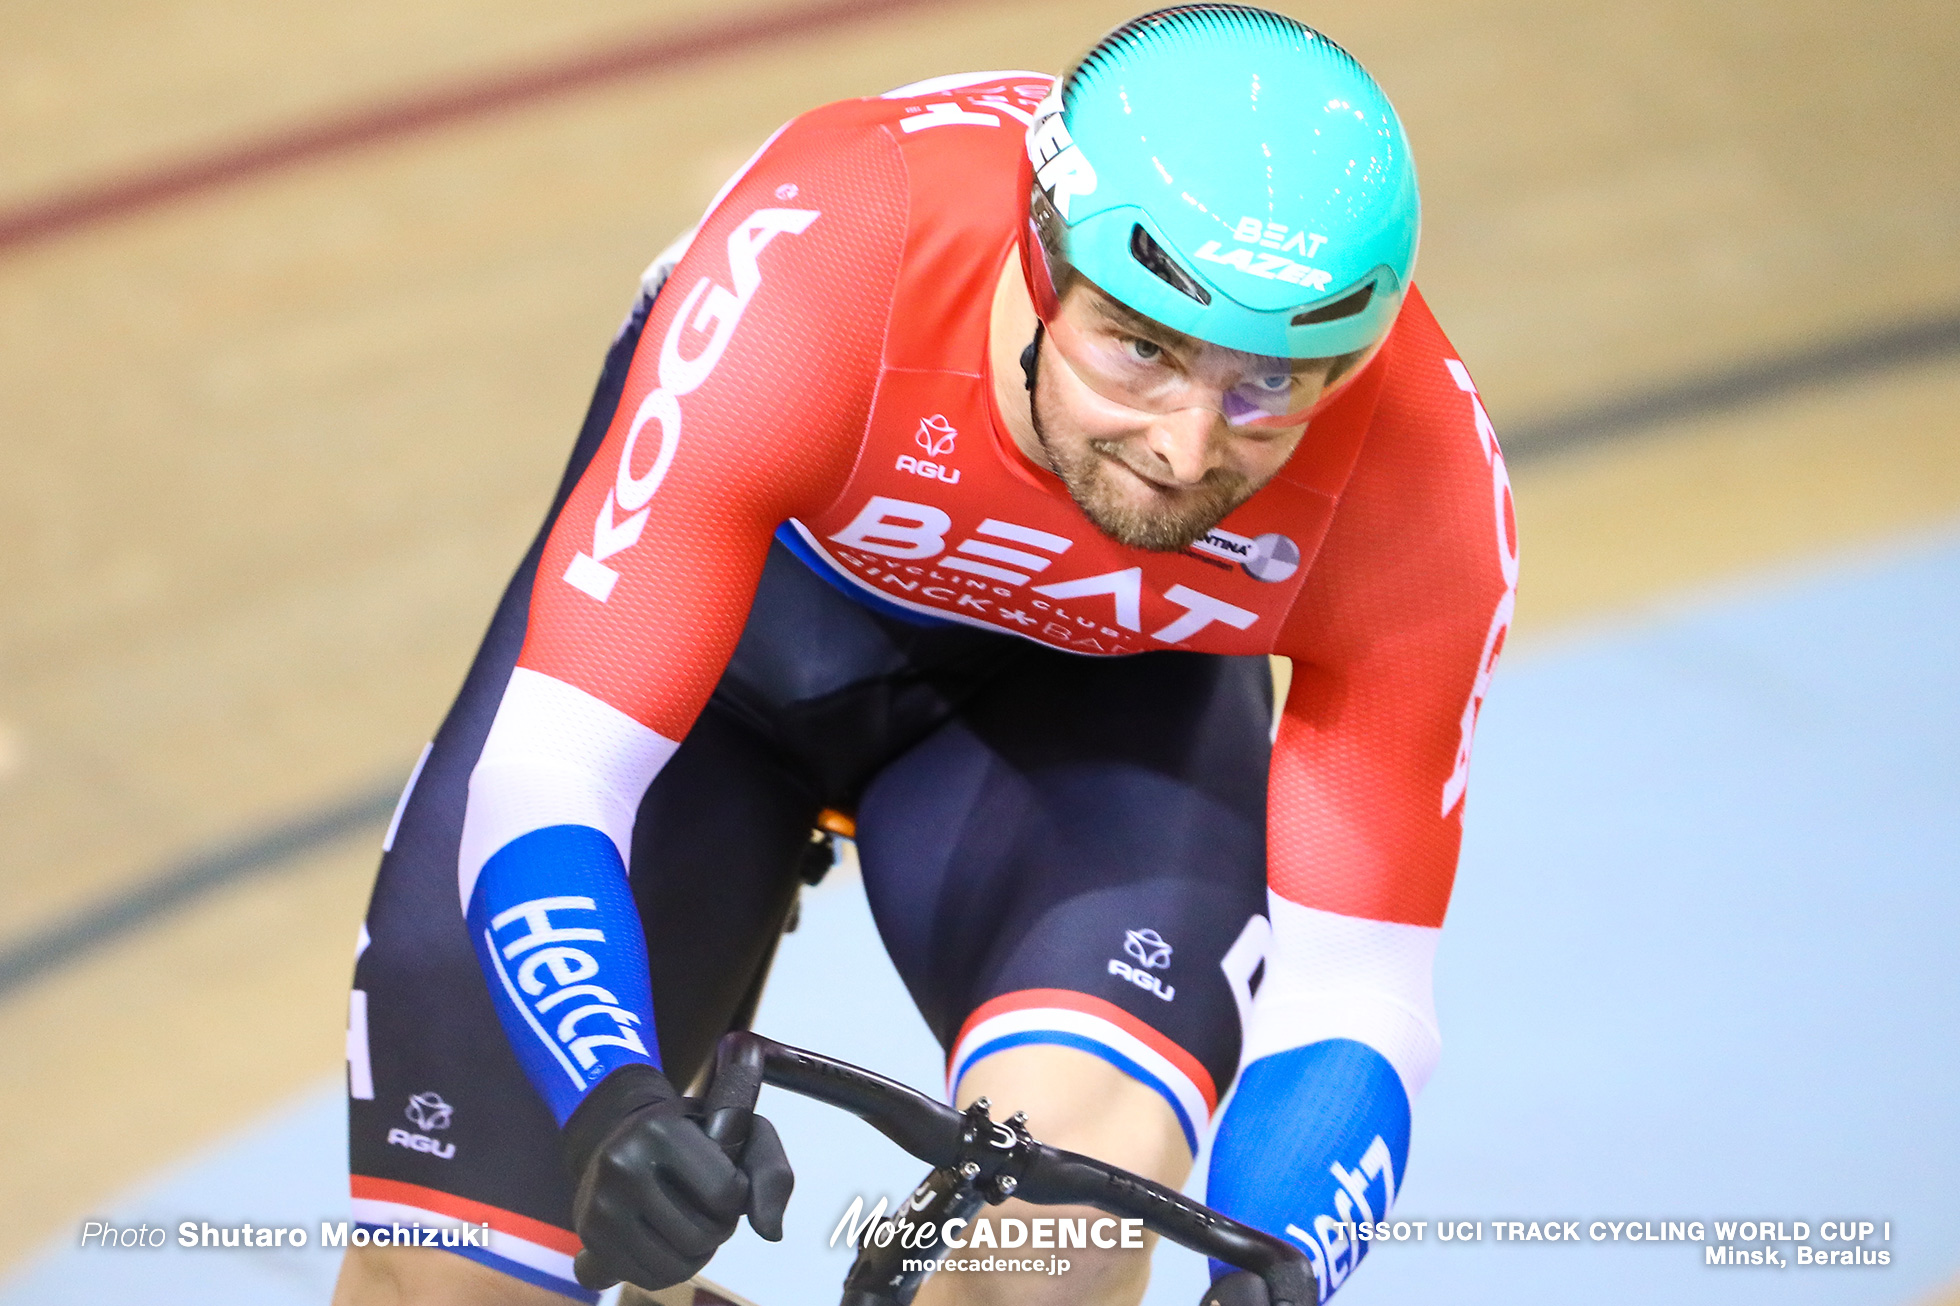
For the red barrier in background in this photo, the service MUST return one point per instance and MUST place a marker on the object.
(393, 119)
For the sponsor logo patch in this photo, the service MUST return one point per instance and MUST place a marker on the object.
(1270, 557)
(429, 1111)
(421, 1143)
(936, 436)
(1148, 947)
(1060, 167)
(999, 554)
(654, 434)
(1253, 238)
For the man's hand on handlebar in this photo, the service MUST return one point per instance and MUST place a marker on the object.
(1239, 1288)
(660, 1188)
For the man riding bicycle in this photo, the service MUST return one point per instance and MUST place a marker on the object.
(959, 472)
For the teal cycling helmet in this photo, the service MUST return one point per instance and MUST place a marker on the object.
(1232, 174)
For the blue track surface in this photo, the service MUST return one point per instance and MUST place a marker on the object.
(1700, 965)
(1700, 961)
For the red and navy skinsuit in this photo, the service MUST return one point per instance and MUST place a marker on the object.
(818, 362)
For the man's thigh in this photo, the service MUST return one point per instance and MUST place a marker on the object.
(443, 1124)
(1070, 861)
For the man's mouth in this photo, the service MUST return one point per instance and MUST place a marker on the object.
(1159, 487)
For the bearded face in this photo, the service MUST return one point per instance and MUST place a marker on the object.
(1150, 479)
(1127, 504)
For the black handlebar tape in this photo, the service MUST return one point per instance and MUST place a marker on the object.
(928, 1129)
(729, 1102)
(737, 1079)
(744, 1061)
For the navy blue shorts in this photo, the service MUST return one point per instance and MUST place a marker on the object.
(1056, 849)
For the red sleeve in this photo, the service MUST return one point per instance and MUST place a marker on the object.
(1393, 640)
(745, 404)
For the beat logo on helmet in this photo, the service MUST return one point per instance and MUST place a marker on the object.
(1060, 167)
(1272, 267)
(1273, 235)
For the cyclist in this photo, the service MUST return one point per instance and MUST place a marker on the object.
(1064, 402)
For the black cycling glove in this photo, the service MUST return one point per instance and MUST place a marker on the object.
(1238, 1288)
(657, 1193)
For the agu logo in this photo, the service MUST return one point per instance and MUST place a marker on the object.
(1149, 948)
(429, 1111)
(425, 1111)
(936, 436)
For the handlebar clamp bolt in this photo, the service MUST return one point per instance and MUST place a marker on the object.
(1007, 1183)
(983, 1104)
(1018, 1118)
(970, 1170)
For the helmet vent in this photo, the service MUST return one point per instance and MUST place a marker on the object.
(1185, 27)
(1149, 253)
(1340, 308)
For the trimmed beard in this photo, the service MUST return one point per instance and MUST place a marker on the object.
(1162, 530)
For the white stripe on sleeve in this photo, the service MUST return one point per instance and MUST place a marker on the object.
(555, 756)
(1333, 976)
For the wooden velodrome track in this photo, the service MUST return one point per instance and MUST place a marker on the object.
(273, 433)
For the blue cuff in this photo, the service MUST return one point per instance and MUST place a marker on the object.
(1314, 1142)
(555, 928)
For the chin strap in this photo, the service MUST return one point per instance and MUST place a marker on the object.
(1031, 358)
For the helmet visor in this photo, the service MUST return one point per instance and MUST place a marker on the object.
(1141, 364)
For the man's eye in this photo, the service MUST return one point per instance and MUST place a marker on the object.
(1148, 351)
(1275, 384)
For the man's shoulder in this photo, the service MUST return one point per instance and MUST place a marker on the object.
(957, 199)
(1000, 104)
(946, 127)
(1427, 388)
(1431, 482)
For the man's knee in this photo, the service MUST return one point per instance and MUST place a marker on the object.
(1079, 1101)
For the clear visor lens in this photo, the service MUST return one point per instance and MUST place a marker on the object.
(1132, 361)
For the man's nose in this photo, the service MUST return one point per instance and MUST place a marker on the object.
(1182, 441)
